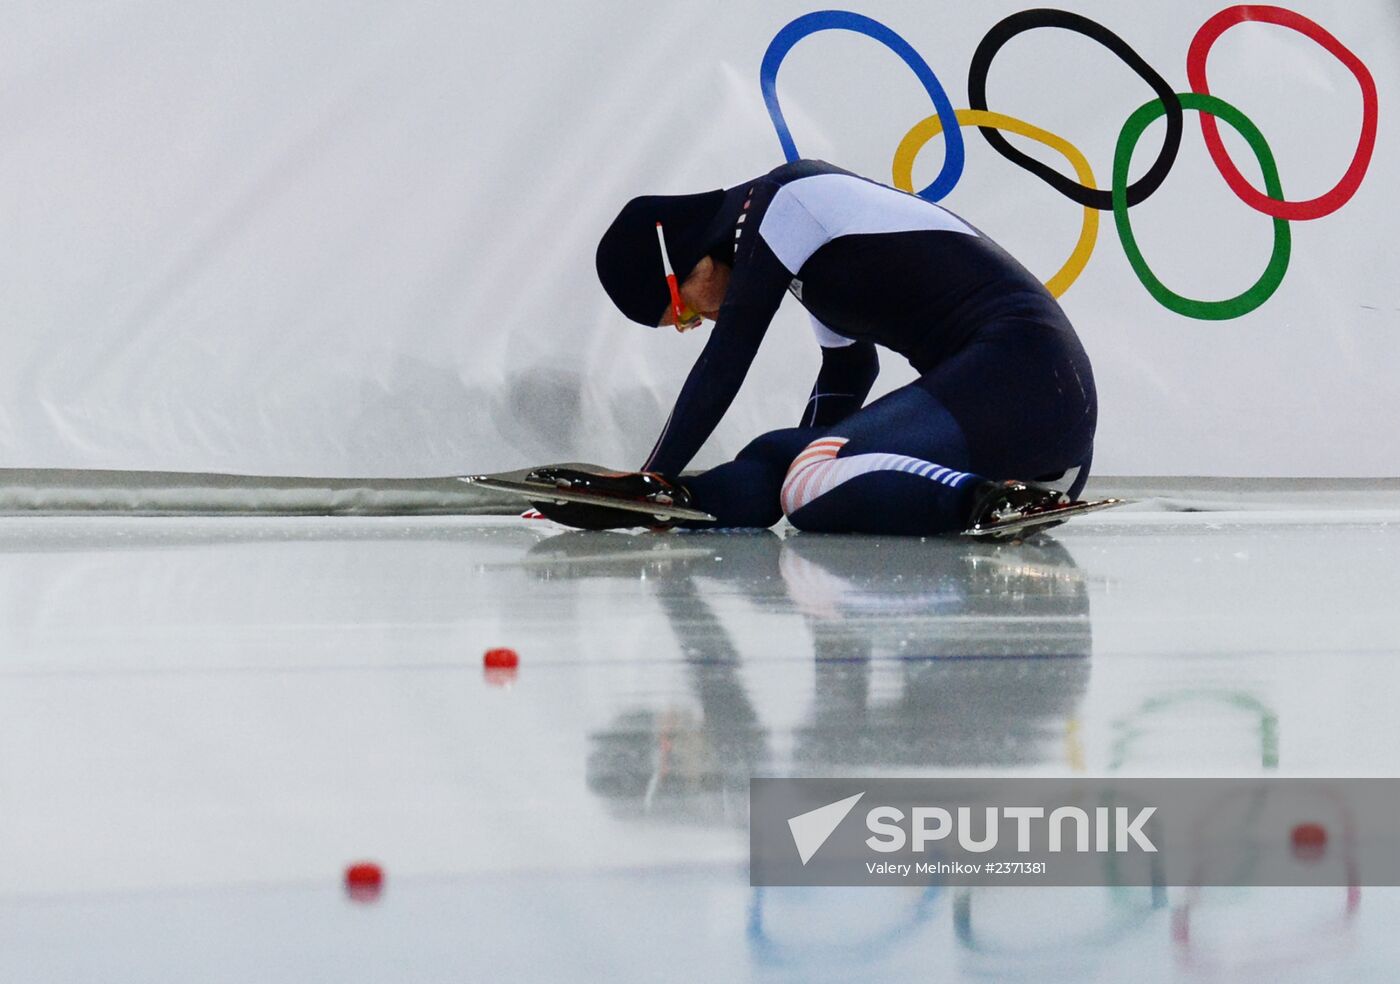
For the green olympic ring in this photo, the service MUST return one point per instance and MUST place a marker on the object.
(1273, 274)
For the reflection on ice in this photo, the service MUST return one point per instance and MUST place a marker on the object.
(957, 621)
(202, 721)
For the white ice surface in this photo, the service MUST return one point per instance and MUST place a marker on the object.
(202, 721)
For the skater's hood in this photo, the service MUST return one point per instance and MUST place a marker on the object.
(629, 257)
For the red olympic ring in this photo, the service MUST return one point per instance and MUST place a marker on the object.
(1196, 74)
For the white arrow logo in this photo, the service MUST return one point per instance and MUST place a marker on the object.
(811, 829)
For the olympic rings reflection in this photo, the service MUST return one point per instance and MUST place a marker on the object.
(1120, 196)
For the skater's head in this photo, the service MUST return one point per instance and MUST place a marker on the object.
(631, 266)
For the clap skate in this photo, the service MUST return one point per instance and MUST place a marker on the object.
(1011, 510)
(588, 497)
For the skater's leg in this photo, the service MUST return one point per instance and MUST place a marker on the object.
(744, 492)
(1016, 403)
(898, 466)
(1023, 394)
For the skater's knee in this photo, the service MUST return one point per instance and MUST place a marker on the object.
(807, 476)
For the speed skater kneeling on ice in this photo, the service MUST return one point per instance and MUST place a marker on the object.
(1000, 421)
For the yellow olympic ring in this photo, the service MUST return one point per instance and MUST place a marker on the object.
(926, 129)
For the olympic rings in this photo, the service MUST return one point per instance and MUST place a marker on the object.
(1121, 196)
(1272, 276)
(829, 20)
(1027, 20)
(926, 129)
(1341, 193)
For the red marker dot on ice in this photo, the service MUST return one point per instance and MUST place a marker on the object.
(364, 880)
(500, 666)
(501, 659)
(1309, 841)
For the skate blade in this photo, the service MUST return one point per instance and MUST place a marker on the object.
(540, 492)
(1040, 521)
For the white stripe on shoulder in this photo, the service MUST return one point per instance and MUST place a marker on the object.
(808, 213)
(827, 338)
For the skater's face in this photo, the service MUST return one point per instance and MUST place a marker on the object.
(702, 293)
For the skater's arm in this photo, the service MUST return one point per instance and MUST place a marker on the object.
(847, 373)
(756, 288)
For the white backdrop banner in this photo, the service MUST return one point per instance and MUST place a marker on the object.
(331, 237)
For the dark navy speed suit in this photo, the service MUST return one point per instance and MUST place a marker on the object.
(1005, 389)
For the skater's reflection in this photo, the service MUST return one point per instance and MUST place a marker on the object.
(668, 759)
(978, 660)
(922, 654)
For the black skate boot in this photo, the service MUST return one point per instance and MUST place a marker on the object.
(634, 488)
(1010, 510)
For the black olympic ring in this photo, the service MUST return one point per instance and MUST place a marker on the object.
(1026, 20)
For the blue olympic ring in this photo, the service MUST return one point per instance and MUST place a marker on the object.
(843, 20)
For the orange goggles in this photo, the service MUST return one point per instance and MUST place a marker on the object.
(685, 318)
